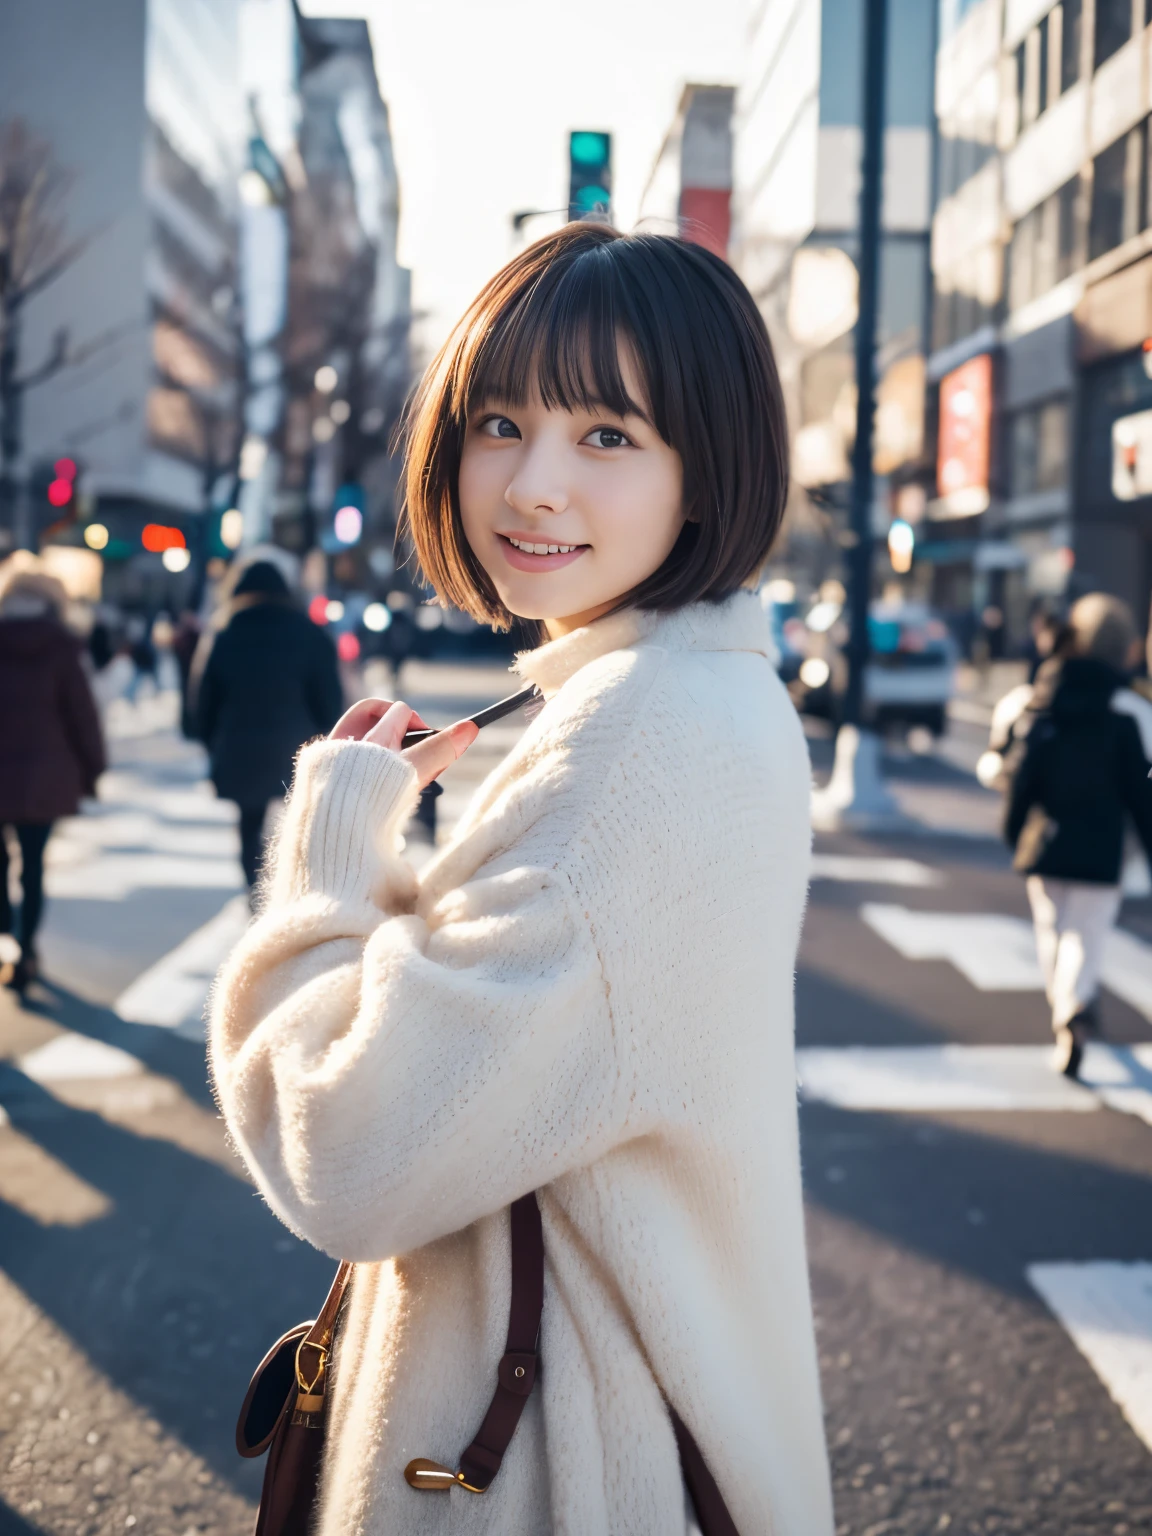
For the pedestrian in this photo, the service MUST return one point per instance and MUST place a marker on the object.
(185, 639)
(263, 682)
(1045, 632)
(51, 747)
(1077, 770)
(142, 654)
(588, 994)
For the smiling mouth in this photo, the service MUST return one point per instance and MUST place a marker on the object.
(542, 549)
(537, 557)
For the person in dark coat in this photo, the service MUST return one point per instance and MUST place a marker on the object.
(51, 746)
(262, 686)
(1076, 773)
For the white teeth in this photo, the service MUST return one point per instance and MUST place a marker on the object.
(543, 549)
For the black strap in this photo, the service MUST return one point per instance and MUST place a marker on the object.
(517, 1371)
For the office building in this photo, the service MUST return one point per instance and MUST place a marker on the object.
(795, 214)
(140, 104)
(690, 188)
(1042, 259)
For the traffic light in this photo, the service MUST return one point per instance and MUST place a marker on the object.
(590, 175)
(347, 520)
(52, 489)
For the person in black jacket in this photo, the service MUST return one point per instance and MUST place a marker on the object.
(261, 687)
(1078, 772)
(51, 744)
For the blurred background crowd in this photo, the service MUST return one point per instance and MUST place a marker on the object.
(208, 332)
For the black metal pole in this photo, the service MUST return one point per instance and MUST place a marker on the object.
(859, 561)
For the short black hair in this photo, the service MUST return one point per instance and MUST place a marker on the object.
(553, 321)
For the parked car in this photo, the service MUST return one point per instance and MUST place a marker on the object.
(911, 673)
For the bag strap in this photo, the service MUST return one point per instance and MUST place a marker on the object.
(515, 1375)
(315, 1349)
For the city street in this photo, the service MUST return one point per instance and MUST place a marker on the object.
(979, 1229)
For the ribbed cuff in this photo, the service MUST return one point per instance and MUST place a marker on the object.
(349, 800)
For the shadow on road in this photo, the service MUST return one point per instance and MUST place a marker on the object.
(175, 1293)
(982, 1194)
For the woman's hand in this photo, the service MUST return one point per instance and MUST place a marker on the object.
(386, 724)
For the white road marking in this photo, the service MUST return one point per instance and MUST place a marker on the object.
(868, 871)
(71, 1056)
(997, 953)
(1107, 1310)
(1127, 970)
(172, 993)
(926, 1078)
(994, 952)
(115, 876)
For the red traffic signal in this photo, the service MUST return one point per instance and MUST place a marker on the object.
(157, 537)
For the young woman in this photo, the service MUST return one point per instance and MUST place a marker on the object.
(588, 993)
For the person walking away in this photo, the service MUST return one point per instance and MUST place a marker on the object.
(185, 639)
(51, 746)
(1077, 770)
(262, 685)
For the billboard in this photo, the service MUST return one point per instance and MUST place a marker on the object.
(964, 453)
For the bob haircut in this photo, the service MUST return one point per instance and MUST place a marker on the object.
(552, 322)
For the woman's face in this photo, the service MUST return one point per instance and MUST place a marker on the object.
(568, 510)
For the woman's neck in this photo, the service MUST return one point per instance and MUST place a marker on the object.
(556, 628)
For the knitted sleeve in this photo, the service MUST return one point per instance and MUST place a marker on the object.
(390, 1075)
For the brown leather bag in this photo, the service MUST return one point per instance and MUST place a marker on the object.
(284, 1409)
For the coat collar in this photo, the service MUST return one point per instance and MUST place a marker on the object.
(736, 624)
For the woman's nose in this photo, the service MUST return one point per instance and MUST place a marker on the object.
(537, 485)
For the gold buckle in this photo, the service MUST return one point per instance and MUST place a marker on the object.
(430, 1477)
(308, 1388)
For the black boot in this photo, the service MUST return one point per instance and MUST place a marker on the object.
(1070, 1042)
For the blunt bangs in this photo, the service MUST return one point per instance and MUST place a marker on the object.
(553, 323)
(559, 339)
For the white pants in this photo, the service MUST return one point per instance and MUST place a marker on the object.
(1073, 920)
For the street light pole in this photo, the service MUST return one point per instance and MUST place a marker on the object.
(856, 795)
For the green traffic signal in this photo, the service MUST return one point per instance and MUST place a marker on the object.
(590, 149)
(589, 198)
(589, 174)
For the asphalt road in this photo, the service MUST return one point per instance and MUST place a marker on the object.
(980, 1237)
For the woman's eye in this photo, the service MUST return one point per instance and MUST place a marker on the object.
(607, 437)
(499, 426)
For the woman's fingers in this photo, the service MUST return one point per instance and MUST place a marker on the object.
(356, 723)
(390, 729)
(431, 757)
(385, 723)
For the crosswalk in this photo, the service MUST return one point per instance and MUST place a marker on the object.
(157, 838)
(172, 993)
(1104, 1306)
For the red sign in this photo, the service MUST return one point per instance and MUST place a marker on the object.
(965, 435)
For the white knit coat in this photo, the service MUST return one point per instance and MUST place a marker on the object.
(589, 993)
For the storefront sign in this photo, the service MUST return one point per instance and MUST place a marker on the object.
(1132, 456)
(965, 438)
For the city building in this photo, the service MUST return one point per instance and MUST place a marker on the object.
(345, 346)
(690, 188)
(139, 103)
(1042, 262)
(236, 316)
(795, 214)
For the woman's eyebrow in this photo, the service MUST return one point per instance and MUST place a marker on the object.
(594, 404)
